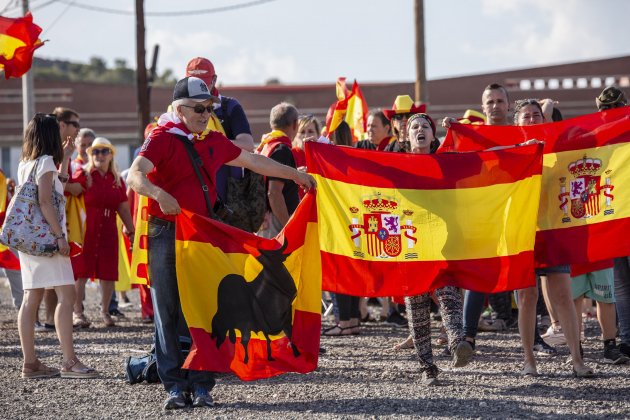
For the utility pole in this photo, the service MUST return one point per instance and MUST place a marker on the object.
(28, 94)
(141, 73)
(421, 78)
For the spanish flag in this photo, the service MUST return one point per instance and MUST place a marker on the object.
(252, 305)
(140, 256)
(393, 224)
(8, 260)
(583, 214)
(350, 107)
(19, 38)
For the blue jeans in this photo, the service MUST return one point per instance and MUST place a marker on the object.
(622, 296)
(169, 320)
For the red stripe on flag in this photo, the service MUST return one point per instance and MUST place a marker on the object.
(582, 244)
(446, 171)
(583, 132)
(229, 357)
(9, 261)
(489, 275)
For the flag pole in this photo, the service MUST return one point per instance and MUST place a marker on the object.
(28, 94)
(421, 79)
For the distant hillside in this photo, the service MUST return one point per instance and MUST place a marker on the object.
(95, 71)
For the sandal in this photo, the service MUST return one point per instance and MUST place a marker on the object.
(107, 320)
(73, 368)
(38, 370)
(404, 345)
(337, 331)
(529, 371)
(583, 372)
(80, 321)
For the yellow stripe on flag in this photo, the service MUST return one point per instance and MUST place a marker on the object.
(124, 268)
(140, 254)
(605, 168)
(433, 225)
(198, 293)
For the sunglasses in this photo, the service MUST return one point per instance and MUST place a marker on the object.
(400, 117)
(73, 123)
(198, 109)
(103, 152)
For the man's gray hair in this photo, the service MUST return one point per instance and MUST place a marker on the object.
(86, 132)
(283, 115)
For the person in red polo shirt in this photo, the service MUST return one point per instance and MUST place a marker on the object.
(163, 172)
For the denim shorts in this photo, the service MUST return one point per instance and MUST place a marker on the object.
(553, 270)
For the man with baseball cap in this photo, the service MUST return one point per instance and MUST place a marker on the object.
(163, 172)
(231, 116)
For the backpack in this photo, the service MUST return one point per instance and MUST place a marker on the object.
(246, 196)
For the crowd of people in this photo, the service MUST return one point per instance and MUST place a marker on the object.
(188, 160)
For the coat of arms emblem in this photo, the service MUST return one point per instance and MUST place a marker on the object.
(585, 190)
(383, 227)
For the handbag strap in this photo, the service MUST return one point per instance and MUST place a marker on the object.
(196, 161)
(31, 176)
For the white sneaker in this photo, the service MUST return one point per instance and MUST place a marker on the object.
(554, 336)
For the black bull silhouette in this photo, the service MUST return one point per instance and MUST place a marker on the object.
(262, 305)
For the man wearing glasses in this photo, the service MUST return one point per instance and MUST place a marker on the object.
(163, 172)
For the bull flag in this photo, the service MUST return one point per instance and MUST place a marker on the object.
(253, 305)
(394, 224)
(584, 215)
(19, 38)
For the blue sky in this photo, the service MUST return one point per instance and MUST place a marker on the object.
(301, 41)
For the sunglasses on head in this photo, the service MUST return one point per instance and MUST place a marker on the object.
(103, 152)
(198, 109)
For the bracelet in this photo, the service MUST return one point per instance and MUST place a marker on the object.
(60, 236)
(62, 178)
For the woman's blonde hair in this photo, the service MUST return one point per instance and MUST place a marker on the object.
(303, 122)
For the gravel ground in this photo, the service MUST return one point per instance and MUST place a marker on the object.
(358, 377)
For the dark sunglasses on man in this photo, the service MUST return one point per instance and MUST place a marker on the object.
(400, 117)
(198, 109)
(73, 123)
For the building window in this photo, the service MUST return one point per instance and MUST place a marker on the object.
(567, 83)
(525, 84)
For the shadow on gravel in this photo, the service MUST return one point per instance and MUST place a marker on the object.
(448, 407)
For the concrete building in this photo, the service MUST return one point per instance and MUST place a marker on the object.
(110, 110)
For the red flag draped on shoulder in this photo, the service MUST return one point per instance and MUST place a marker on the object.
(393, 224)
(253, 305)
(583, 215)
(19, 38)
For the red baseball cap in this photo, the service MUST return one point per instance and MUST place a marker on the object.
(202, 68)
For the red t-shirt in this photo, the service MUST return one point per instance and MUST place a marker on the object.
(174, 172)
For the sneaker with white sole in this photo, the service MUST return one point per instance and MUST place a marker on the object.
(612, 355)
(554, 336)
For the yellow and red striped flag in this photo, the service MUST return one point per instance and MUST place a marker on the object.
(253, 305)
(140, 255)
(7, 259)
(350, 107)
(393, 224)
(583, 214)
(19, 38)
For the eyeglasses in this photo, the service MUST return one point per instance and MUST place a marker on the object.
(104, 152)
(400, 117)
(198, 109)
(73, 123)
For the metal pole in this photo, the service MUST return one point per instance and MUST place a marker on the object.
(421, 78)
(141, 72)
(28, 94)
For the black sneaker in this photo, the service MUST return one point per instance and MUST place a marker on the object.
(624, 348)
(612, 355)
(201, 398)
(430, 376)
(462, 353)
(396, 320)
(116, 313)
(543, 349)
(174, 400)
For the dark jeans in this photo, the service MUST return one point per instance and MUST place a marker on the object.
(169, 320)
(348, 307)
(622, 296)
(473, 307)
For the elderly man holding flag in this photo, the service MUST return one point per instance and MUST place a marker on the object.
(164, 173)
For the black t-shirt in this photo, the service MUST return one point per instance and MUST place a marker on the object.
(282, 154)
(365, 144)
